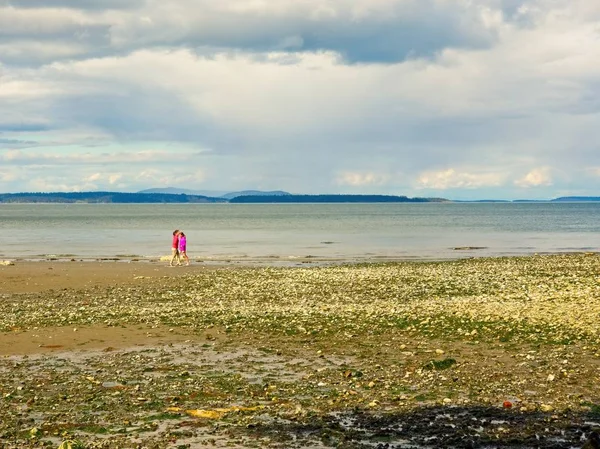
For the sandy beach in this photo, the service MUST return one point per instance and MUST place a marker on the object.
(470, 353)
(35, 277)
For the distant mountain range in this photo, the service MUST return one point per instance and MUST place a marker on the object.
(173, 195)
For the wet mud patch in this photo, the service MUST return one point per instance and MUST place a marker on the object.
(434, 427)
(60, 339)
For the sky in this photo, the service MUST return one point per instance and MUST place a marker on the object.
(460, 99)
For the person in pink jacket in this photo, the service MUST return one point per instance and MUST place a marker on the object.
(183, 248)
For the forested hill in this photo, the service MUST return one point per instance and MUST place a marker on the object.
(330, 199)
(105, 197)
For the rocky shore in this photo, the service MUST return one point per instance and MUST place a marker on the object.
(472, 353)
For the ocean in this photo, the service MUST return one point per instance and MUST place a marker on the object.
(297, 233)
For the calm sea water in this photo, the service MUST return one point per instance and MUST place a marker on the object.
(290, 232)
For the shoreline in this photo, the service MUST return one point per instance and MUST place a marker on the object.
(455, 253)
(461, 252)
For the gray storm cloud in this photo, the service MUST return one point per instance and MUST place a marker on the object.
(360, 31)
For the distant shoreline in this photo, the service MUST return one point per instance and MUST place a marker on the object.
(182, 198)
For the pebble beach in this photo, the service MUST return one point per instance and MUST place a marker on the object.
(484, 352)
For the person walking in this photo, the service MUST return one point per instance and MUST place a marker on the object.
(183, 248)
(175, 248)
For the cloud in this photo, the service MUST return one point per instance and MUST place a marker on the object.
(16, 143)
(22, 52)
(360, 179)
(22, 127)
(451, 179)
(105, 177)
(111, 178)
(56, 184)
(165, 178)
(77, 4)
(19, 157)
(358, 30)
(536, 178)
(8, 176)
(594, 171)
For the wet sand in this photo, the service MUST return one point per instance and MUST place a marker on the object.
(32, 277)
